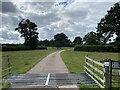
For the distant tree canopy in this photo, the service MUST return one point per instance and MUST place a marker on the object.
(110, 25)
(77, 41)
(44, 43)
(91, 38)
(61, 40)
(28, 30)
(52, 43)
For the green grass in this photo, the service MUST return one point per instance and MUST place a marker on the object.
(94, 87)
(22, 61)
(4, 86)
(75, 61)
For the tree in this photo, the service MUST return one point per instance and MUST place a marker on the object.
(44, 43)
(28, 30)
(77, 41)
(61, 40)
(52, 43)
(110, 25)
(91, 38)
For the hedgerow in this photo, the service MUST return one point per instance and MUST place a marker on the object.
(17, 48)
(96, 48)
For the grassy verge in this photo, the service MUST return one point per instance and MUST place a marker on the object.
(22, 61)
(94, 87)
(75, 61)
(4, 86)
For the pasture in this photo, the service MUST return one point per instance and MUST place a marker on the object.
(75, 60)
(22, 61)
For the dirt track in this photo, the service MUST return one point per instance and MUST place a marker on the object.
(50, 64)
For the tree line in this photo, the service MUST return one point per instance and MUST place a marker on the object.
(109, 26)
(61, 40)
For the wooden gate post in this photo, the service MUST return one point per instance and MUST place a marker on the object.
(107, 77)
(9, 65)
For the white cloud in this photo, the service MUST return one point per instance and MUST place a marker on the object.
(74, 18)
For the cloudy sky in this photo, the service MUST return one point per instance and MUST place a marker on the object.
(73, 17)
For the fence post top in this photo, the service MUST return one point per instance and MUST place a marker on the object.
(106, 64)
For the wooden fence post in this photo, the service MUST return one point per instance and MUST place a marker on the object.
(9, 65)
(110, 74)
(107, 77)
(93, 68)
(86, 60)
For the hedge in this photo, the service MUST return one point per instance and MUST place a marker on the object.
(96, 48)
(41, 47)
(17, 48)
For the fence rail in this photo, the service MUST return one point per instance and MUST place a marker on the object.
(96, 69)
(99, 76)
(7, 71)
(92, 60)
(6, 74)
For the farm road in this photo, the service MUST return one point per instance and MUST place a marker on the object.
(51, 64)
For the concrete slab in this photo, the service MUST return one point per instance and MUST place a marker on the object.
(68, 87)
(63, 87)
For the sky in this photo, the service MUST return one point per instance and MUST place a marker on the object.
(72, 17)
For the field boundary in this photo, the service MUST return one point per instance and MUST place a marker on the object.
(102, 72)
(99, 76)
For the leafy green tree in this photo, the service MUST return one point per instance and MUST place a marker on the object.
(69, 43)
(28, 30)
(91, 38)
(61, 40)
(110, 25)
(77, 41)
(44, 43)
(52, 43)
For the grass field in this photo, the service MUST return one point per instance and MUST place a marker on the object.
(75, 60)
(22, 61)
